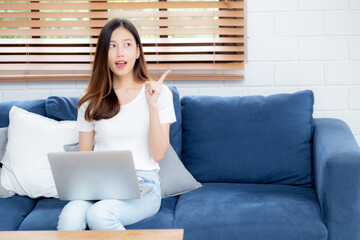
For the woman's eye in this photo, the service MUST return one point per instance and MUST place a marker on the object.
(112, 45)
(127, 44)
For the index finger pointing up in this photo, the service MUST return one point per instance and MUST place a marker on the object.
(162, 78)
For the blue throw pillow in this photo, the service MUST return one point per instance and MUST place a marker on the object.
(252, 139)
(34, 106)
(62, 108)
(175, 128)
(65, 108)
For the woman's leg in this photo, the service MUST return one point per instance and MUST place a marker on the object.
(73, 216)
(115, 214)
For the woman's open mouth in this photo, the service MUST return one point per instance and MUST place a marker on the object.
(121, 64)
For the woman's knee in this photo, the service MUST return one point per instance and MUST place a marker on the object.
(101, 216)
(73, 216)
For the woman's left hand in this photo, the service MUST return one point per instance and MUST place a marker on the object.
(153, 89)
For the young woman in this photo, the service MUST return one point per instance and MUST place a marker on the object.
(122, 109)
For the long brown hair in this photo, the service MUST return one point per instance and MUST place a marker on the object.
(103, 102)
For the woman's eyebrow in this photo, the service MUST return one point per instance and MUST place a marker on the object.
(124, 40)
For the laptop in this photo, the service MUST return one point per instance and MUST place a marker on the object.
(95, 175)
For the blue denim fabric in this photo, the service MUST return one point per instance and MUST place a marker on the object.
(112, 214)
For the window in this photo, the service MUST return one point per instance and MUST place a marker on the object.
(56, 39)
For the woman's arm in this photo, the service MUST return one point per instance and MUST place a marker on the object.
(86, 141)
(159, 142)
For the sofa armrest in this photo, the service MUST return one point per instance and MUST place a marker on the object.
(337, 178)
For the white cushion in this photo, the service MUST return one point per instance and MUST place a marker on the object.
(3, 192)
(26, 169)
(3, 142)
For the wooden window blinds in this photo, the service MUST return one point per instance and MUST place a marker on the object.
(56, 39)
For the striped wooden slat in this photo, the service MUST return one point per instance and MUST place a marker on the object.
(173, 49)
(124, 14)
(38, 38)
(140, 23)
(96, 32)
(150, 58)
(87, 67)
(152, 40)
(66, 5)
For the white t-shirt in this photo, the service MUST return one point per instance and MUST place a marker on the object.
(129, 129)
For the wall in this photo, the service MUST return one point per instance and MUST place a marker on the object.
(292, 45)
(307, 44)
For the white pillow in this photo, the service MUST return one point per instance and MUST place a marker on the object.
(3, 141)
(3, 192)
(26, 169)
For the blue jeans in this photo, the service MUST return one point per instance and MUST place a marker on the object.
(112, 214)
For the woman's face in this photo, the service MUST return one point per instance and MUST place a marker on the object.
(123, 52)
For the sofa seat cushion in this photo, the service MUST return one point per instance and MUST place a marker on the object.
(251, 212)
(44, 216)
(46, 213)
(251, 139)
(13, 210)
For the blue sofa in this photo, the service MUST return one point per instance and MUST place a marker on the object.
(268, 169)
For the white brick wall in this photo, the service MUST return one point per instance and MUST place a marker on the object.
(312, 5)
(260, 24)
(354, 48)
(292, 45)
(260, 74)
(298, 24)
(51, 85)
(13, 85)
(15, 95)
(342, 73)
(354, 4)
(271, 5)
(322, 48)
(342, 23)
(271, 49)
(354, 98)
(298, 73)
(329, 98)
(188, 91)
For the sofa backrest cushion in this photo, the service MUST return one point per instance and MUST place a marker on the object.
(251, 139)
(65, 108)
(175, 128)
(62, 108)
(35, 106)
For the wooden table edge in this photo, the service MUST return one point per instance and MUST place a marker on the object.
(148, 234)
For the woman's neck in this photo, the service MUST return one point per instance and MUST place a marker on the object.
(125, 82)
